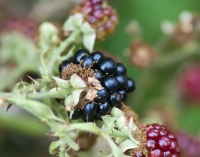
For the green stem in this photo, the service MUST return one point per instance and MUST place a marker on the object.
(73, 37)
(38, 96)
(54, 94)
(14, 75)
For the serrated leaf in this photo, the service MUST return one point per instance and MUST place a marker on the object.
(53, 146)
(127, 144)
(62, 83)
(37, 108)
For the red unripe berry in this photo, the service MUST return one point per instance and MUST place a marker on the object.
(23, 25)
(190, 83)
(100, 15)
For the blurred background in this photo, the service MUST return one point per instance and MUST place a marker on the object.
(158, 41)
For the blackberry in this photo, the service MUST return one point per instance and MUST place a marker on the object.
(123, 94)
(111, 83)
(115, 99)
(104, 108)
(97, 56)
(102, 96)
(107, 83)
(121, 69)
(130, 85)
(87, 61)
(79, 54)
(64, 65)
(107, 66)
(122, 81)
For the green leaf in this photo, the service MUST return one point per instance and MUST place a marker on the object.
(73, 22)
(89, 36)
(127, 144)
(77, 82)
(62, 83)
(53, 146)
(37, 108)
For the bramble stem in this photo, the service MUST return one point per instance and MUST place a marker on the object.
(57, 52)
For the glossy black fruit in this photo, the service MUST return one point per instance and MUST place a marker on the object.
(130, 85)
(87, 61)
(122, 79)
(64, 65)
(121, 69)
(111, 84)
(107, 66)
(97, 116)
(76, 114)
(115, 99)
(123, 94)
(99, 75)
(104, 108)
(97, 56)
(102, 96)
(90, 109)
(88, 118)
(79, 54)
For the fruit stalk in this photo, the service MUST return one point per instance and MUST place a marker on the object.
(57, 52)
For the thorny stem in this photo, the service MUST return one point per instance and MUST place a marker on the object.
(53, 94)
(57, 52)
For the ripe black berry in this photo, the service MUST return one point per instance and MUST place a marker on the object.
(104, 108)
(111, 83)
(123, 94)
(79, 54)
(102, 96)
(87, 118)
(99, 75)
(90, 109)
(87, 61)
(76, 115)
(121, 69)
(64, 65)
(130, 85)
(107, 84)
(107, 66)
(115, 99)
(122, 81)
(97, 56)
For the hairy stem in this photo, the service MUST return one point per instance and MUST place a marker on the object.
(57, 52)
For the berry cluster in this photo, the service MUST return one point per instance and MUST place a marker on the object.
(190, 83)
(24, 25)
(100, 15)
(111, 76)
(189, 145)
(161, 142)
